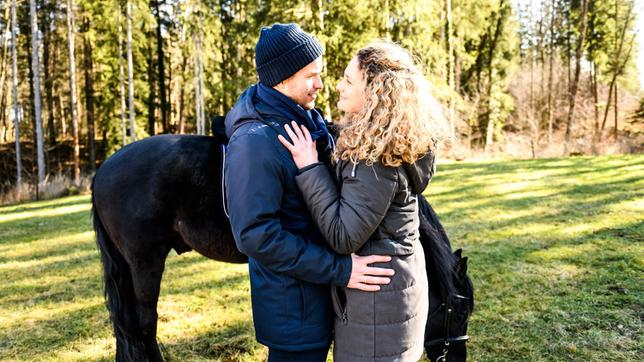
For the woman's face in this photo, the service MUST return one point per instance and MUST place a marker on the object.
(351, 88)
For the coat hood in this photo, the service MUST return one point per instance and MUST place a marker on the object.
(421, 172)
(243, 110)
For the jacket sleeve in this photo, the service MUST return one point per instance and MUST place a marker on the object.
(348, 217)
(254, 177)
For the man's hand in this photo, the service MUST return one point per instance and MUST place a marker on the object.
(366, 278)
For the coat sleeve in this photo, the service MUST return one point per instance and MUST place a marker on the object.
(347, 217)
(254, 189)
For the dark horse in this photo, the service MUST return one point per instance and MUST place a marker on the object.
(165, 192)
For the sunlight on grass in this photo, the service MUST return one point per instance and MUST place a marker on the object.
(562, 252)
(84, 199)
(44, 213)
(36, 265)
(43, 246)
(85, 349)
(635, 205)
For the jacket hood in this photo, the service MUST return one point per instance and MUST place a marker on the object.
(243, 110)
(421, 172)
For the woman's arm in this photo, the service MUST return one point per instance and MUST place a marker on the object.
(347, 217)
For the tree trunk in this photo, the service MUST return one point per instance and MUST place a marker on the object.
(16, 111)
(184, 61)
(3, 117)
(450, 70)
(36, 70)
(62, 116)
(618, 68)
(161, 70)
(121, 81)
(616, 111)
(197, 85)
(573, 92)
(89, 95)
(386, 14)
(568, 54)
(594, 89)
(72, 90)
(130, 81)
(51, 124)
(151, 94)
(201, 78)
(550, 66)
(5, 55)
(497, 32)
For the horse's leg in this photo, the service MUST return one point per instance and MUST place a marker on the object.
(146, 279)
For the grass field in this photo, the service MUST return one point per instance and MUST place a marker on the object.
(556, 251)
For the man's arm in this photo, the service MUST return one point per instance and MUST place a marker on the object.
(254, 189)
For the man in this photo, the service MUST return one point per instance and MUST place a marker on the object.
(291, 267)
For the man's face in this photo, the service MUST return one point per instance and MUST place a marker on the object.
(303, 86)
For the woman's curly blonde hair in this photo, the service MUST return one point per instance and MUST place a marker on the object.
(400, 120)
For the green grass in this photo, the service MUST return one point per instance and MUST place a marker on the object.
(556, 256)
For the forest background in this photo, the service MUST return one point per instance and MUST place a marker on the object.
(80, 79)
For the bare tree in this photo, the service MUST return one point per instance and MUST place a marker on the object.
(619, 62)
(72, 89)
(130, 82)
(35, 64)
(16, 111)
(575, 83)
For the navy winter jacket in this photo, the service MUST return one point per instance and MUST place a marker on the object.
(290, 265)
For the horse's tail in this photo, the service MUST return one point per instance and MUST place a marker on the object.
(119, 294)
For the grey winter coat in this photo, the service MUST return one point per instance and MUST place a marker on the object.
(374, 210)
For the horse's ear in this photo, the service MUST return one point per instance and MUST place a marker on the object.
(461, 266)
(458, 253)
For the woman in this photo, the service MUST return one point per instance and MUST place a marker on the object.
(384, 159)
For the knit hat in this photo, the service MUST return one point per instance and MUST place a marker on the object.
(282, 50)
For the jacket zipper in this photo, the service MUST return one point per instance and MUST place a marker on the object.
(345, 319)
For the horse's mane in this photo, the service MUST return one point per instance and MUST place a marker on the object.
(441, 261)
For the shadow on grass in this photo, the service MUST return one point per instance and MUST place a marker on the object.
(44, 335)
(49, 204)
(220, 283)
(571, 305)
(54, 250)
(44, 227)
(227, 343)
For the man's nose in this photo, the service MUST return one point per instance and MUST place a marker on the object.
(318, 83)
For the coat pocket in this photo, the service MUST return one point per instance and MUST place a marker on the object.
(339, 303)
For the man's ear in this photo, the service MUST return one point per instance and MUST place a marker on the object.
(281, 86)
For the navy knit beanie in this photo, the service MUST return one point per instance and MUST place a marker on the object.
(282, 50)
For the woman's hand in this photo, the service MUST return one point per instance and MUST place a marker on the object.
(303, 147)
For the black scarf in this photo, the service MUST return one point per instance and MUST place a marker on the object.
(312, 119)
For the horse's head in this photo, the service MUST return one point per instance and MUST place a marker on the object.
(449, 312)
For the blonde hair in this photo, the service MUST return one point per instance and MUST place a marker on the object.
(400, 120)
